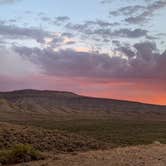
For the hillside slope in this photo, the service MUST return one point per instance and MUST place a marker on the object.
(54, 103)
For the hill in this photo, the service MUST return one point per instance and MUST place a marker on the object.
(34, 103)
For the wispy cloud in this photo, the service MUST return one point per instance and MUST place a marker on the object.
(16, 32)
(128, 10)
(147, 13)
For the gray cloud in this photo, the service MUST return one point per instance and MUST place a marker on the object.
(101, 23)
(130, 33)
(45, 18)
(70, 42)
(103, 30)
(61, 40)
(91, 25)
(73, 63)
(12, 20)
(147, 12)
(56, 42)
(121, 33)
(106, 1)
(67, 34)
(8, 1)
(144, 49)
(127, 51)
(15, 32)
(60, 20)
(128, 10)
(144, 62)
(138, 14)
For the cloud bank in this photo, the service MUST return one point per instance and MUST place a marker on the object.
(144, 62)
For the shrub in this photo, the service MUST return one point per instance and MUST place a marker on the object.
(19, 154)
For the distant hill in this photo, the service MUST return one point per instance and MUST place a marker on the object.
(51, 104)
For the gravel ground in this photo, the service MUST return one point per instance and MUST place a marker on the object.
(150, 155)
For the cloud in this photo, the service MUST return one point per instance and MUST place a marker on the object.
(70, 62)
(147, 13)
(12, 64)
(130, 33)
(67, 34)
(106, 1)
(60, 40)
(138, 14)
(60, 20)
(91, 25)
(144, 62)
(15, 32)
(127, 51)
(128, 10)
(121, 33)
(45, 18)
(8, 1)
(103, 30)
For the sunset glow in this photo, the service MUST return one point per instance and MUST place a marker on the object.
(100, 48)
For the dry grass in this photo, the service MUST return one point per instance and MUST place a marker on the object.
(45, 140)
(149, 155)
(19, 154)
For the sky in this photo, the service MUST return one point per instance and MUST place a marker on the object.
(101, 48)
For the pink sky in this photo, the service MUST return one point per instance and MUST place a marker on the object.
(113, 50)
(146, 91)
